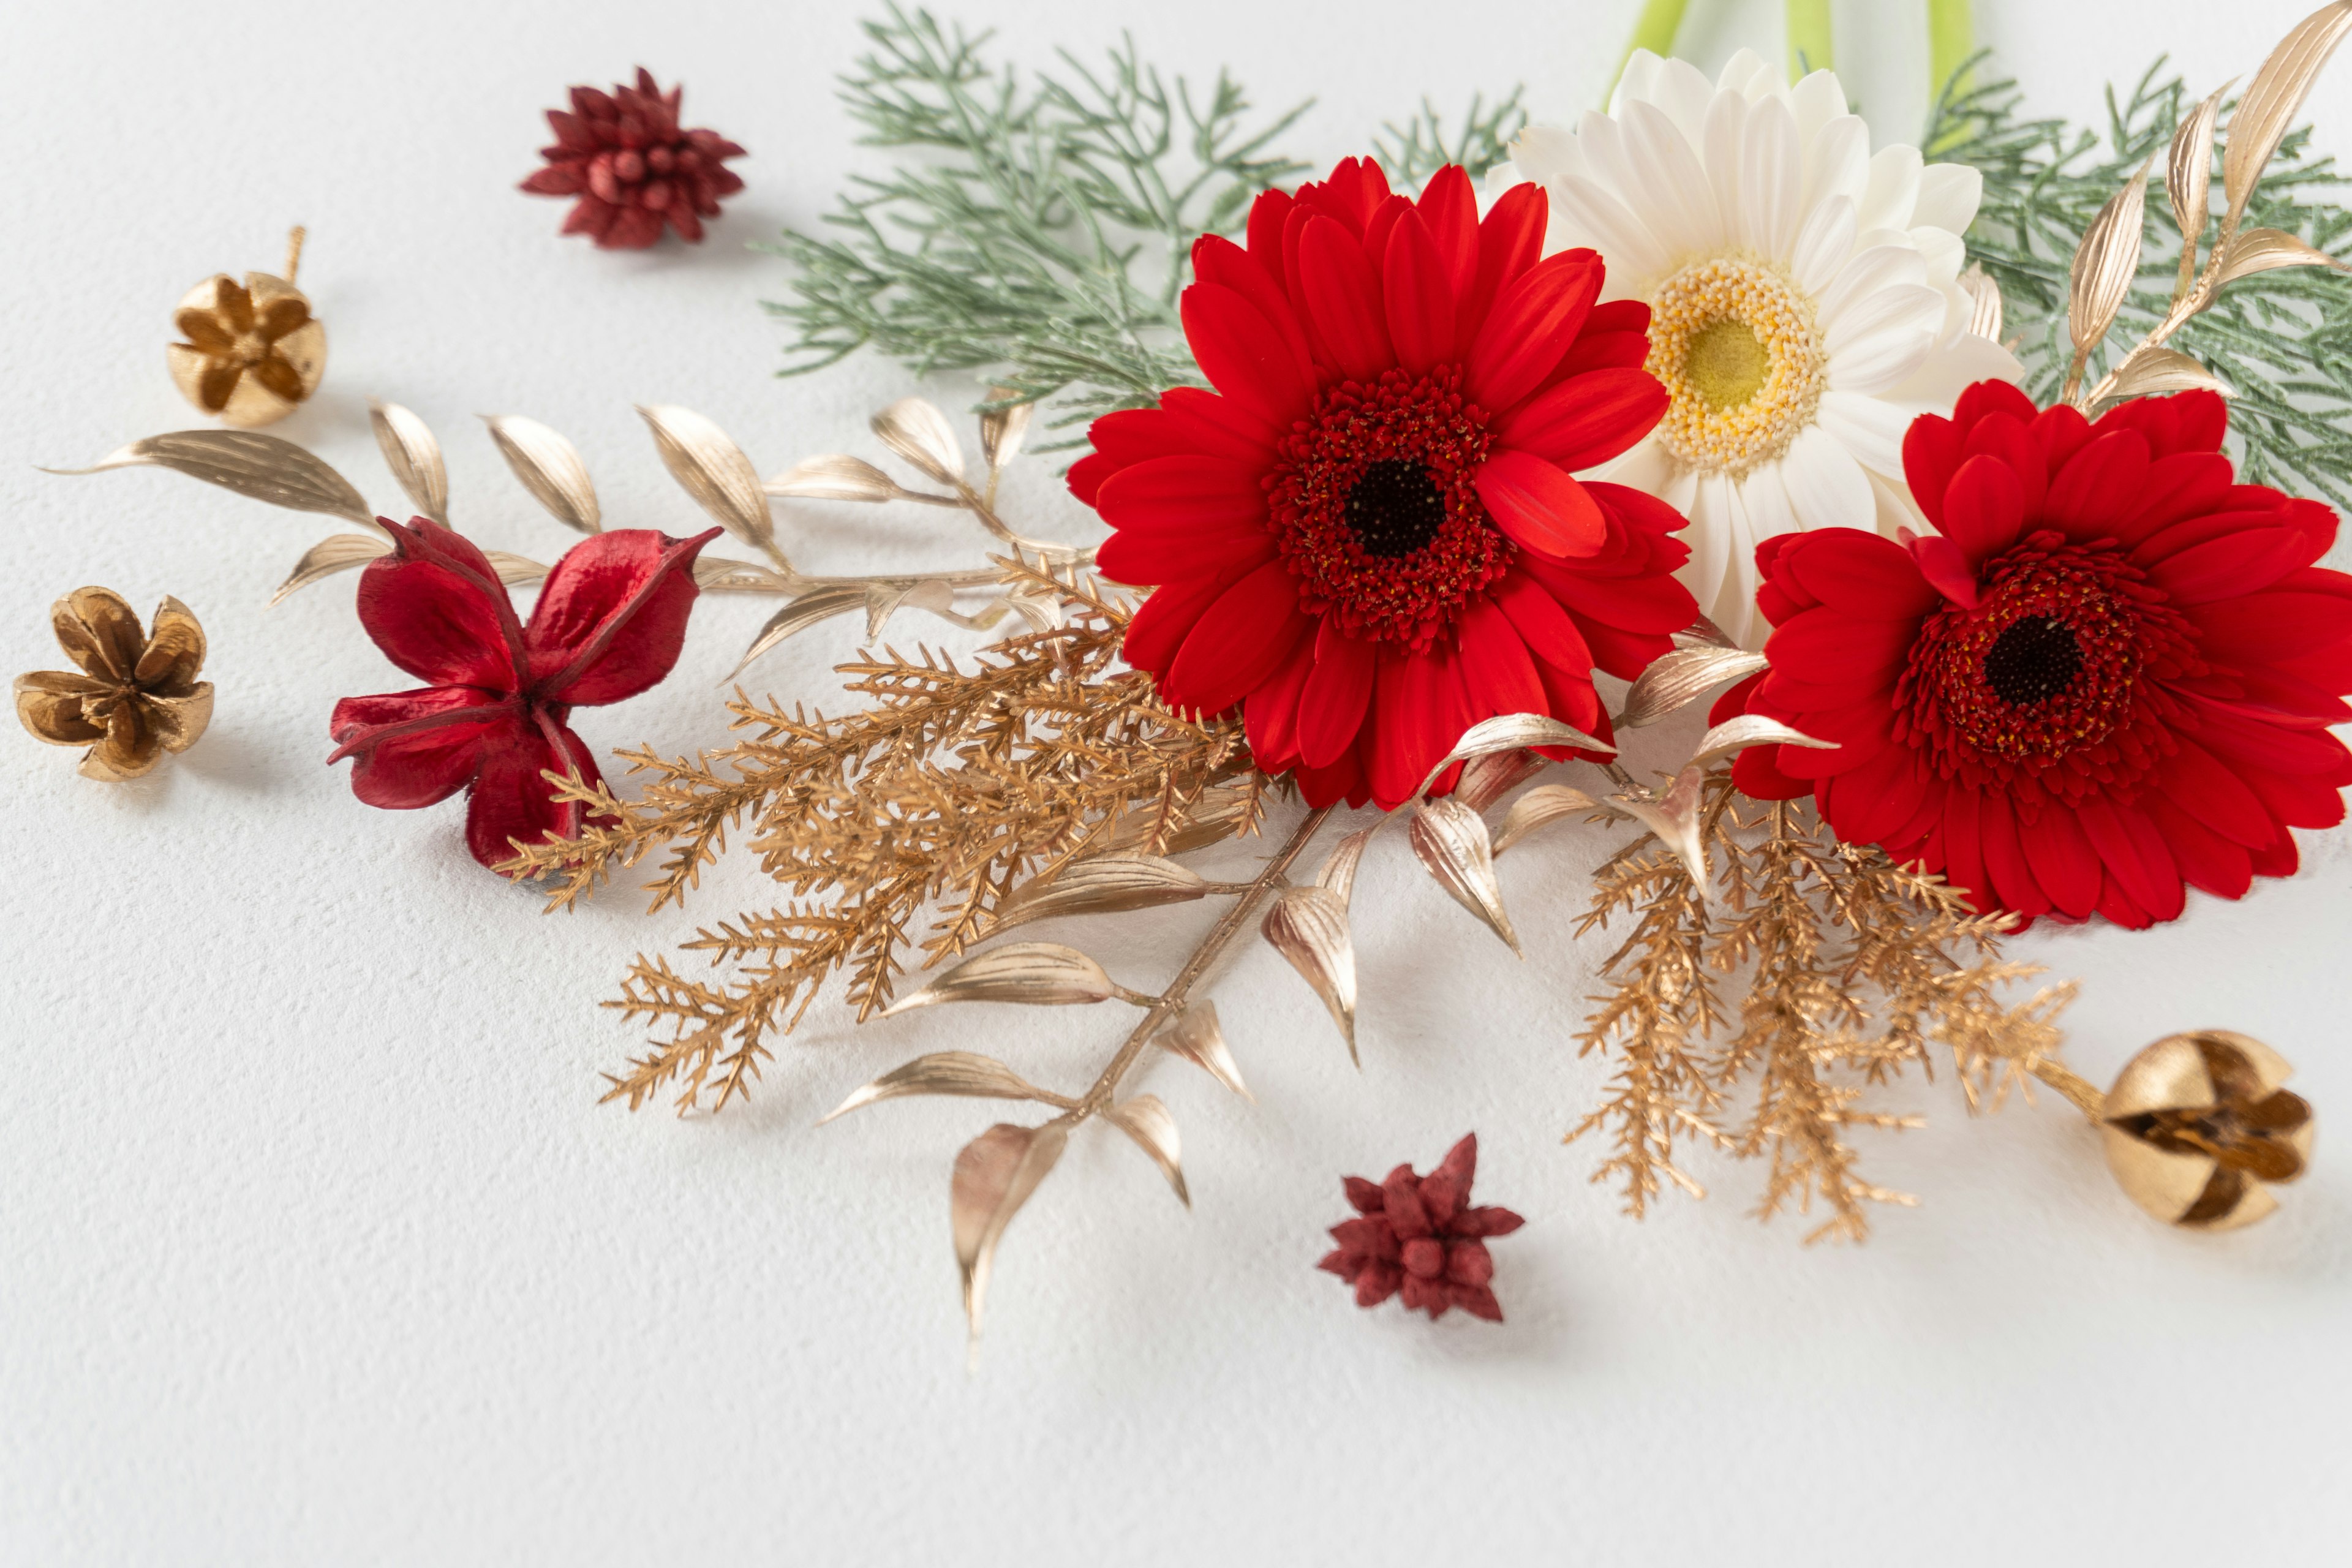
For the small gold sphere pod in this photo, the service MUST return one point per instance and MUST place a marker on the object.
(2198, 1128)
(252, 351)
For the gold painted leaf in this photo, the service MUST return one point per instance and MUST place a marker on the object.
(994, 1174)
(834, 476)
(2189, 172)
(1675, 679)
(884, 600)
(1308, 926)
(716, 574)
(413, 456)
(1450, 841)
(705, 460)
(550, 469)
(1196, 1036)
(1488, 779)
(1338, 872)
(1146, 1120)
(919, 433)
(819, 603)
(336, 553)
(515, 569)
(2151, 370)
(942, 1072)
(1508, 733)
(1104, 884)
(1538, 808)
(2105, 263)
(1735, 735)
(1674, 819)
(1705, 633)
(267, 468)
(2253, 250)
(1984, 302)
(1002, 430)
(1216, 815)
(1035, 973)
(2263, 115)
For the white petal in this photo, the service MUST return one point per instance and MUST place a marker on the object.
(1871, 431)
(1944, 254)
(1603, 142)
(1749, 74)
(1837, 162)
(1765, 495)
(1638, 82)
(1588, 215)
(1719, 147)
(1817, 100)
(1709, 537)
(1684, 94)
(1822, 244)
(1544, 152)
(1948, 196)
(1893, 191)
(1869, 270)
(1827, 489)
(1897, 510)
(1885, 338)
(1648, 467)
(1951, 370)
(1771, 181)
(1681, 203)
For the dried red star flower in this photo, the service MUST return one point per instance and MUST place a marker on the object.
(624, 156)
(610, 621)
(1367, 537)
(2108, 677)
(1419, 1234)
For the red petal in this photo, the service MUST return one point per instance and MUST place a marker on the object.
(2225, 568)
(1338, 695)
(1509, 240)
(2257, 629)
(1217, 426)
(2204, 787)
(1870, 800)
(2100, 486)
(1842, 652)
(1931, 456)
(1983, 509)
(1417, 296)
(634, 228)
(1242, 354)
(414, 748)
(1962, 861)
(2005, 858)
(1239, 641)
(1216, 259)
(1547, 630)
(1267, 215)
(1538, 505)
(2064, 863)
(557, 180)
(1184, 494)
(1535, 318)
(2206, 860)
(1499, 672)
(1587, 419)
(1142, 556)
(1450, 210)
(513, 802)
(1343, 300)
(1270, 712)
(2177, 487)
(437, 608)
(1406, 698)
(1860, 573)
(2133, 850)
(1166, 618)
(611, 619)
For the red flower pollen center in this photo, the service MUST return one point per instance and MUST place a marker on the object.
(1374, 506)
(2047, 676)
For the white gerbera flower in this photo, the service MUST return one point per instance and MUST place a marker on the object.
(1804, 296)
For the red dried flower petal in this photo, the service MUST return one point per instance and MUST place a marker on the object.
(627, 151)
(1417, 1235)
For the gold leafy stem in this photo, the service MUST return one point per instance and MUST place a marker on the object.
(2109, 255)
(705, 461)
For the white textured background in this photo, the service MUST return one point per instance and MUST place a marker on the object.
(316, 1248)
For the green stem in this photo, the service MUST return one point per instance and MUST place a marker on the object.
(1951, 39)
(1655, 31)
(1809, 36)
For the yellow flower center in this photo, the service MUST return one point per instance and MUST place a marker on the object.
(1736, 347)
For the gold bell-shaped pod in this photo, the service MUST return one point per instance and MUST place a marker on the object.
(2199, 1129)
(252, 352)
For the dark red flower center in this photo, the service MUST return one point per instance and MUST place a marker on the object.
(1374, 506)
(2047, 676)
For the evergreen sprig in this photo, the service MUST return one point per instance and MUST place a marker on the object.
(1414, 151)
(1049, 236)
(2277, 339)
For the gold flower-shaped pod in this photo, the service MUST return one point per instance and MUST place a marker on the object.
(2196, 1128)
(253, 350)
(136, 695)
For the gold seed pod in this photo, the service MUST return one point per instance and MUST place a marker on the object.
(2198, 1128)
(253, 350)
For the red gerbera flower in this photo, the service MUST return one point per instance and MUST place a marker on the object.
(609, 623)
(2110, 674)
(1367, 537)
(624, 156)
(1420, 1235)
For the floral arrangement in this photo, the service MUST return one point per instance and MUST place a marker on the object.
(1427, 483)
